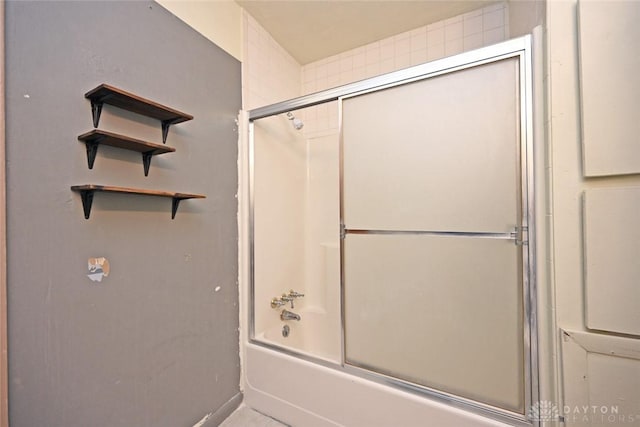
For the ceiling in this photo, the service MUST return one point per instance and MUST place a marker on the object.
(311, 30)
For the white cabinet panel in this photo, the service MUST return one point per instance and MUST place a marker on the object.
(437, 154)
(601, 380)
(611, 247)
(445, 312)
(610, 85)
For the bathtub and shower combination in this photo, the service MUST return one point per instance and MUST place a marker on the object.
(389, 252)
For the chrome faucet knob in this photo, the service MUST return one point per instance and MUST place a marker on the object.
(287, 298)
(277, 302)
(294, 294)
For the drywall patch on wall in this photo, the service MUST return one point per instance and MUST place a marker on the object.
(155, 348)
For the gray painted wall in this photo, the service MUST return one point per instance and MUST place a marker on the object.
(156, 342)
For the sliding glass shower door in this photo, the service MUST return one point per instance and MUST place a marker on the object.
(433, 211)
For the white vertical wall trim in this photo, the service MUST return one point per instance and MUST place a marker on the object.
(547, 335)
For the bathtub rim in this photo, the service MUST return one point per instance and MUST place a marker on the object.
(392, 383)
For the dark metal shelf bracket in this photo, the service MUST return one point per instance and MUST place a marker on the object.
(87, 201)
(96, 109)
(146, 161)
(87, 192)
(165, 129)
(175, 202)
(92, 150)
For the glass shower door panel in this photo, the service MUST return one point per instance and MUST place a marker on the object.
(439, 311)
(439, 154)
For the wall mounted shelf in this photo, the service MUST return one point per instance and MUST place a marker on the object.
(106, 94)
(96, 137)
(87, 191)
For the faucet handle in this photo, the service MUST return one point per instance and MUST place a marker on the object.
(288, 298)
(277, 302)
(294, 294)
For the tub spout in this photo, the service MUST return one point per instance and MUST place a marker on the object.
(289, 315)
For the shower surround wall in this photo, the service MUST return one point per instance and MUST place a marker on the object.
(156, 342)
(270, 74)
(296, 240)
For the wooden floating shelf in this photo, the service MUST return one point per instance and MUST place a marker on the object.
(96, 137)
(106, 94)
(86, 193)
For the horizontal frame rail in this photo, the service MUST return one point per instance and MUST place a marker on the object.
(511, 235)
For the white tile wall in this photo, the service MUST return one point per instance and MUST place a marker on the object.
(461, 33)
(454, 35)
(271, 75)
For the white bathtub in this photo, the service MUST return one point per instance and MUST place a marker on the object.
(306, 394)
(303, 393)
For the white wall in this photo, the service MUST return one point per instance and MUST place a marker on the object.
(588, 375)
(219, 21)
(568, 180)
(524, 15)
